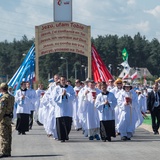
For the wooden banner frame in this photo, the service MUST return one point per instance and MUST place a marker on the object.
(63, 37)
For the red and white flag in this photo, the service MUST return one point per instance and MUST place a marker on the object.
(100, 72)
(126, 76)
(134, 76)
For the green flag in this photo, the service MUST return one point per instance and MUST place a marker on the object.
(124, 55)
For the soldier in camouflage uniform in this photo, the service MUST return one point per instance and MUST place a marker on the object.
(6, 112)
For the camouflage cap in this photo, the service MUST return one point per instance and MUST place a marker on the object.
(4, 86)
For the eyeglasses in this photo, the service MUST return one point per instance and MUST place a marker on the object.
(119, 83)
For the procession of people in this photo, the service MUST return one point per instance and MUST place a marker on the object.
(99, 110)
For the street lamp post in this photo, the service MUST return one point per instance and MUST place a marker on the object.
(60, 70)
(75, 72)
(85, 70)
(110, 68)
(118, 70)
(66, 65)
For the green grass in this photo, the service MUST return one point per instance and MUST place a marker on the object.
(147, 120)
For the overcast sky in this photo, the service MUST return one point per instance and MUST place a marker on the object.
(19, 17)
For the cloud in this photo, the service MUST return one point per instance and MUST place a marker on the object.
(89, 10)
(131, 2)
(155, 12)
(142, 26)
(105, 17)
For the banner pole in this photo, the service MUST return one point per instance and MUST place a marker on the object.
(89, 54)
(36, 58)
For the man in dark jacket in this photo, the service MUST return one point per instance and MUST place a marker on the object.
(153, 105)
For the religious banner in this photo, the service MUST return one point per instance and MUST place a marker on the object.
(62, 10)
(63, 37)
(100, 72)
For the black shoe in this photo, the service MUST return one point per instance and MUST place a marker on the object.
(49, 135)
(23, 133)
(156, 132)
(62, 141)
(91, 138)
(104, 140)
(78, 129)
(5, 155)
(128, 139)
(109, 139)
(19, 133)
(30, 127)
(40, 124)
(124, 138)
(97, 137)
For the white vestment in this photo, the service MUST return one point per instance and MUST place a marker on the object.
(49, 121)
(129, 113)
(90, 113)
(33, 98)
(63, 104)
(106, 112)
(116, 92)
(76, 119)
(22, 104)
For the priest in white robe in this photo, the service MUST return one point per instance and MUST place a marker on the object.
(105, 104)
(48, 110)
(89, 111)
(63, 96)
(128, 102)
(76, 119)
(116, 90)
(39, 93)
(33, 98)
(23, 110)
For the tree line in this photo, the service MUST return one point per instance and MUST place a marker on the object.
(142, 54)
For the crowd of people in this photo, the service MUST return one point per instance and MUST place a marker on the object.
(100, 110)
